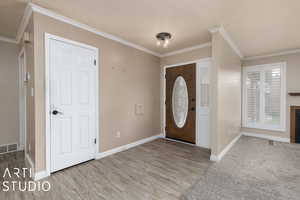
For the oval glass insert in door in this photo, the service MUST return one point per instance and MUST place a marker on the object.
(180, 101)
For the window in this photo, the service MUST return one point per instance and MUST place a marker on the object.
(264, 96)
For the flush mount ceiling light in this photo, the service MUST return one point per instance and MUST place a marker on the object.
(163, 39)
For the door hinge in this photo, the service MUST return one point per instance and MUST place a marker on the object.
(95, 62)
(95, 141)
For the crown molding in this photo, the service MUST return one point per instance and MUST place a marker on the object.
(35, 8)
(214, 29)
(6, 39)
(228, 39)
(54, 15)
(31, 7)
(282, 53)
(208, 44)
(24, 22)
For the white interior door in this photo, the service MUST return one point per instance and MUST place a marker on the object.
(203, 103)
(73, 99)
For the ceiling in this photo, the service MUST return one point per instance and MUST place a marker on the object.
(256, 26)
(11, 13)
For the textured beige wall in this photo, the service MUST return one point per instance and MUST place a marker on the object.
(292, 83)
(127, 76)
(9, 92)
(225, 107)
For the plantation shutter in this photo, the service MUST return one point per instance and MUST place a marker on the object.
(253, 96)
(264, 100)
(272, 96)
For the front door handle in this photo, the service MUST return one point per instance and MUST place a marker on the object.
(55, 112)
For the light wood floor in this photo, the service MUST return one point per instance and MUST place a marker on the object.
(160, 169)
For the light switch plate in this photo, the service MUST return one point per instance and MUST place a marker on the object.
(139, 109)
(27, 77)
(118, 134)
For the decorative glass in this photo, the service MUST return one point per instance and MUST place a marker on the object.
(180, 101)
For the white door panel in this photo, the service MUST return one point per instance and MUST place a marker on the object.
(203, 104)
(72, 92)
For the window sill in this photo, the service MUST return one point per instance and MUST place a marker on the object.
(268, 128)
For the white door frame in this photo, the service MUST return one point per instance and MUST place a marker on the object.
(49, 37)
(22, 109)
(163, 77)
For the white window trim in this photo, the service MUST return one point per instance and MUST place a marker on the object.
(283, 98)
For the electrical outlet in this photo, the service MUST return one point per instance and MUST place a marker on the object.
(118, 134)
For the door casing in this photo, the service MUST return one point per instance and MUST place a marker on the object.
(48, 38)
(22, 105)
(163, 98)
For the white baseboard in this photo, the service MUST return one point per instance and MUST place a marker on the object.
(29, 164)
(40, 175)
(28, 161)
(127, 146)
(214, 158)
(268, 137)
(219, 157)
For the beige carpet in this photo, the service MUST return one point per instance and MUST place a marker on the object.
(252, 170)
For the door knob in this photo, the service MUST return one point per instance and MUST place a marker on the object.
(55, 112)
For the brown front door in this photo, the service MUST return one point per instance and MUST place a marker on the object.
(181, 103)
